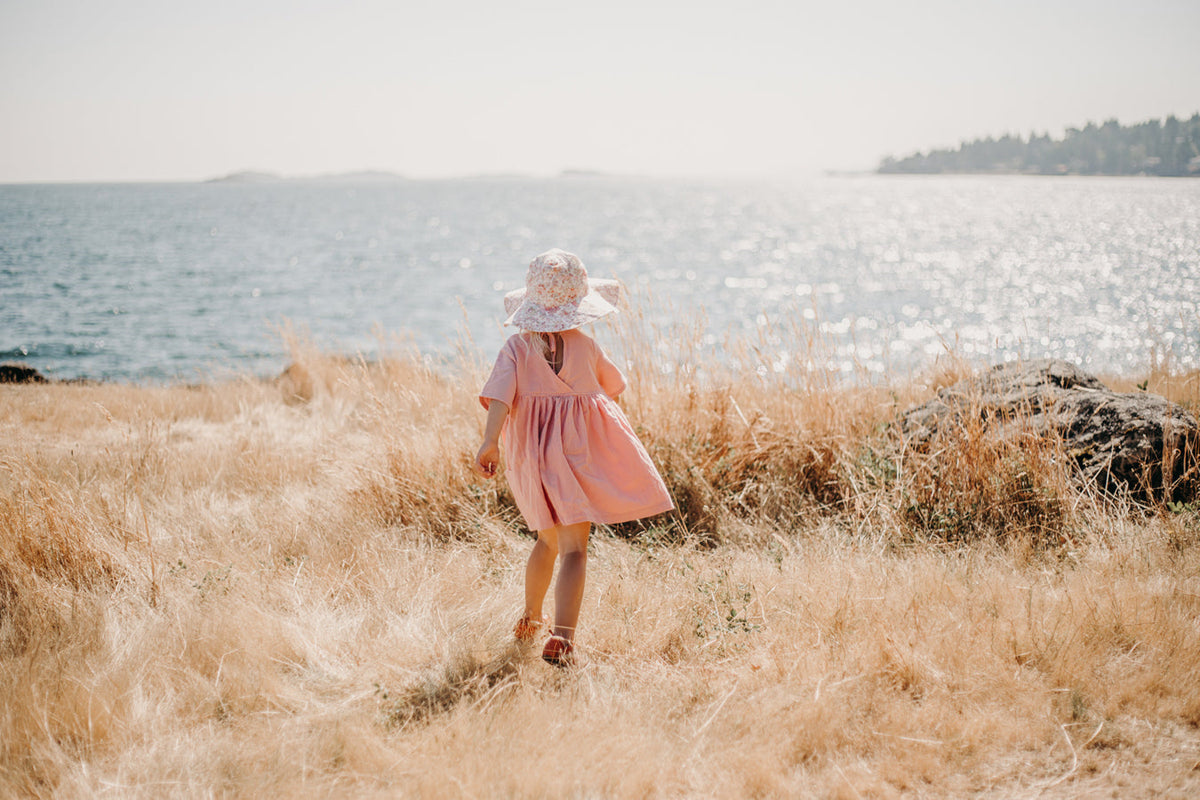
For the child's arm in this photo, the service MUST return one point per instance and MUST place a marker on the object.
(488, 457)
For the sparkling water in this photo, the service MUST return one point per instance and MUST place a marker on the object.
(148, 282)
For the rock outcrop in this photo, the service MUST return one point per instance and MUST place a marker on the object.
(20, 373)
(1141, 442)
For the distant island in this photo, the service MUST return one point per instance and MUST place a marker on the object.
(1168, 148)
(362, 176)
(247, 176)
(383, 176)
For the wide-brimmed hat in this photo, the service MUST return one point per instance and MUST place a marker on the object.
(559, 296)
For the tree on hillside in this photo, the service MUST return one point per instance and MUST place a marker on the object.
(1168, 148)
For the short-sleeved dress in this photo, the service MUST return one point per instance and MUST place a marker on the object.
(571, 453)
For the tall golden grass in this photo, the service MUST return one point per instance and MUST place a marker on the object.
(298, 588)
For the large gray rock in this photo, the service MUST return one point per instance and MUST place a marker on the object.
(1140, 442)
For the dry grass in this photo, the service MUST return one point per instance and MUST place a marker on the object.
(298, 589)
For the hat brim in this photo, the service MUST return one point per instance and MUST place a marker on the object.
(601, 300)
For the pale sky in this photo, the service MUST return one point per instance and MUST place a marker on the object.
(159, 90)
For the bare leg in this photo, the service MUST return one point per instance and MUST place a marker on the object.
(539, 571)
(572, 573)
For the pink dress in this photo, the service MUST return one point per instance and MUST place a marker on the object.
(571, 454)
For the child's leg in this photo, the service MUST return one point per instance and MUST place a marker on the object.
(538, 572)
(568, 591)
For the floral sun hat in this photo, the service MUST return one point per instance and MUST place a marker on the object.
(559, 296)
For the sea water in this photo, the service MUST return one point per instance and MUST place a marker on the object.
(152, 282)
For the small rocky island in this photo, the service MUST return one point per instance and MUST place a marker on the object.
(360, 176)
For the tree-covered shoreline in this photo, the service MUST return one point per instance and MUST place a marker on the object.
(1167, 148)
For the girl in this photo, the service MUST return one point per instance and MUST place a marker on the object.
(572, 457)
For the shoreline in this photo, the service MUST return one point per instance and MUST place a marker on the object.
(1025, 174)
(16, 373)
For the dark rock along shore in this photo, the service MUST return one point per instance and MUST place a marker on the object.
(20, 373)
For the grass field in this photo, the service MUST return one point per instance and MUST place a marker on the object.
(297, 588)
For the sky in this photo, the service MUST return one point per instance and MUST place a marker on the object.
(131, 90)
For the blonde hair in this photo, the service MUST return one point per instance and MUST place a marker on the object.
(539, 343)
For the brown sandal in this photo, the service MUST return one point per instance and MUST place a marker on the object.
(526, 629)
(559, 652)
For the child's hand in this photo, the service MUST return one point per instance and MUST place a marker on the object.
(488, 457)
(487, 460)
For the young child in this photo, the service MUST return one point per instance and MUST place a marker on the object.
(572, 457)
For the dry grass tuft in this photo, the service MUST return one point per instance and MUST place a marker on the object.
(465, 677)
(50, 552)
(972, 481)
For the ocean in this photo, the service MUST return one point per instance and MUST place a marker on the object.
(192, 281)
